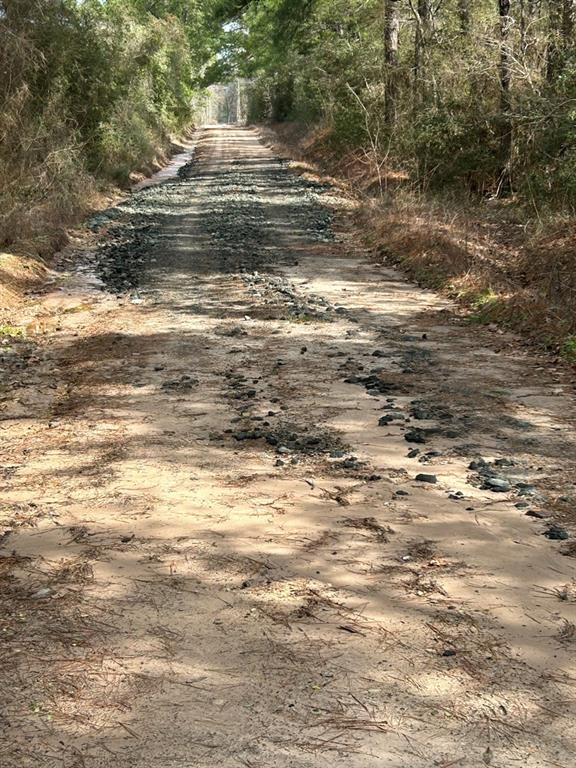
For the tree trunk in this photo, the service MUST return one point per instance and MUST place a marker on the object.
(560, 30)
(554, 47)
(391, 33)
(423, 28)
(524, 20)
(504, 184)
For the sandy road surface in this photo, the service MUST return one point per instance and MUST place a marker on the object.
(216, 550)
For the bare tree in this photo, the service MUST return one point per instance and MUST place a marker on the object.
(423, 15)
(391, 35)
(505, 97)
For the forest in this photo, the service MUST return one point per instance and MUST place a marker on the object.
(477, 94)
(429, 100)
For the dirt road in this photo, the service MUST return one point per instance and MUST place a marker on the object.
(217, 551)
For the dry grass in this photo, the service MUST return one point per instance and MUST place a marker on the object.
(380, 532)
(18, 274)
(483, 257)
(500, 264)
(567, 632)
(421, 550)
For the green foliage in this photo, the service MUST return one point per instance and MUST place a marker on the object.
(569, 349)
(11, 331)
(90, 88)
(323, 61)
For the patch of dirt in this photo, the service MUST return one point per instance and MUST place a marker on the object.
(179, 585)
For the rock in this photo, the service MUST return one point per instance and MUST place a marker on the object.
(504, 463)
(282, 449)
(413, 453)
(43, 593)
(522, 505)
(525, 489)
(449, 652)
(389, 418)
(477, 464)
(401, 493)
(534, 513)
(496, 484)
(415, 436)
(184, 384)
(424, 478)
(556, 533)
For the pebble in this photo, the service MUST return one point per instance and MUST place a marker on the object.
(423, 478)
(504, 463)
(415, 436)
(477, 464)
(497, 484)
(525, 489)
(43, 593)
(556, 533)
(383, 421)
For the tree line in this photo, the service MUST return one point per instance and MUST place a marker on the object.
(476, 93)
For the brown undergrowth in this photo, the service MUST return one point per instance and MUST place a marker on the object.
(38, 220)
(503, 265)
(18, 274)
